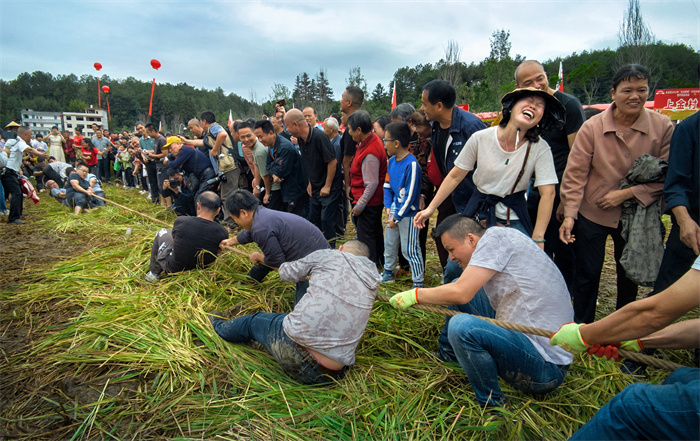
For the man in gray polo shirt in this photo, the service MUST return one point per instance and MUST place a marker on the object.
(316, 342)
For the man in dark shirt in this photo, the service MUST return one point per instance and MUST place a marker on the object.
(193, 241)
(531, 73)
(452, 128)
(191, 161)
(79, 194)
(284, 166)
(321, 167)
(282, 237)
(38, 172)
(175, 187)
(157, 155)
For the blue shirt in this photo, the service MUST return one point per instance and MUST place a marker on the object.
(402, 187)
(463, 125)
(682, 184)
(101, 144)
(147, 143)
(282, 237)
(191, 161)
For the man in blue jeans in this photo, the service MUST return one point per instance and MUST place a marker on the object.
(316, 342)
(521, 285)
(645, 411)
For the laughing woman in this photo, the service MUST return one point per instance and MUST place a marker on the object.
(505, 157)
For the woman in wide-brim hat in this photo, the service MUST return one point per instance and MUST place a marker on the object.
(505, 157)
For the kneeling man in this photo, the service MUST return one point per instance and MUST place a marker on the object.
(521, 285)
(316, 342)
(193, 242)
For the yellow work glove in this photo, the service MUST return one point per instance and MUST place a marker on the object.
(632, 345)
(569, 338)
(405, 299)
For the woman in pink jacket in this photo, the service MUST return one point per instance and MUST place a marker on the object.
(605, 148)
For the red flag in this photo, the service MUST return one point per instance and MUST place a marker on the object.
(560, 84)
(230, 118)
(393, 97)
(160, 126)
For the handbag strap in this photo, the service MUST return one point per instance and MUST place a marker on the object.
(520, 175)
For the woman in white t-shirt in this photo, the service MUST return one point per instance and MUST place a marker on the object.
(503, 159)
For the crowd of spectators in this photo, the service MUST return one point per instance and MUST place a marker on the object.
(561, 183)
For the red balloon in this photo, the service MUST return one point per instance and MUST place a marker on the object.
(98, 66)
(105, 89)
(155, 64)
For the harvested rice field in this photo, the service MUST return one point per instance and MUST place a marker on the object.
(90, 351)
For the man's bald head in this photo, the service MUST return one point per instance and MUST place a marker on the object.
(209, 201)
(531, 73)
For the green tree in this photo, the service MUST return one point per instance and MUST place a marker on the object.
(587, 76)
(355, 78)
(77, 106)
(498, 75)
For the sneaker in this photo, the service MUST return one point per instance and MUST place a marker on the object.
(388, 277)
(142, 191)
(151, 277)
(16, 221)
(418, 284)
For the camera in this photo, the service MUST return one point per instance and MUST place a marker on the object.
(173, 182)
(220, 177)
(171, 157)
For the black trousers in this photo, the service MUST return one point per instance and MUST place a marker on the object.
(152, 171)
(590, 254)
(276, 202)
(677, 260)
(10, 182)
(562, 254)
(370, 232)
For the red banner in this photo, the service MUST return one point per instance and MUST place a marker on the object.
(677, 103)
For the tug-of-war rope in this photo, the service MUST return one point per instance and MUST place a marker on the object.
(640, 358)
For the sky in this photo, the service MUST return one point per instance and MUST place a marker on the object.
(246, 46)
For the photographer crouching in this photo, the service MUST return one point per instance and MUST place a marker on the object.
(198, 169)
(175, 187)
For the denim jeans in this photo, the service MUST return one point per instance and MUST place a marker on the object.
(451, 272)
(323, 212)
(486, 351)
(3, 207)
(266, 328)
(648, 411)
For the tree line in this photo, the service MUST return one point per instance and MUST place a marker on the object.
(588, 76)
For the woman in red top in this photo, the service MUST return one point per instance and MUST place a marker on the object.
(367, 175)
(89, 153)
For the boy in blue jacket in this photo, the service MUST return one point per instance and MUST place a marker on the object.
(401, 199)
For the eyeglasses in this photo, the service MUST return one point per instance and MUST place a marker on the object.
(384, 140)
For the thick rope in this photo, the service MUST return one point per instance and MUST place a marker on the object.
(158, 221)
(640, 358)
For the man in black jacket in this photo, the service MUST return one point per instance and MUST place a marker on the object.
(284, 165)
